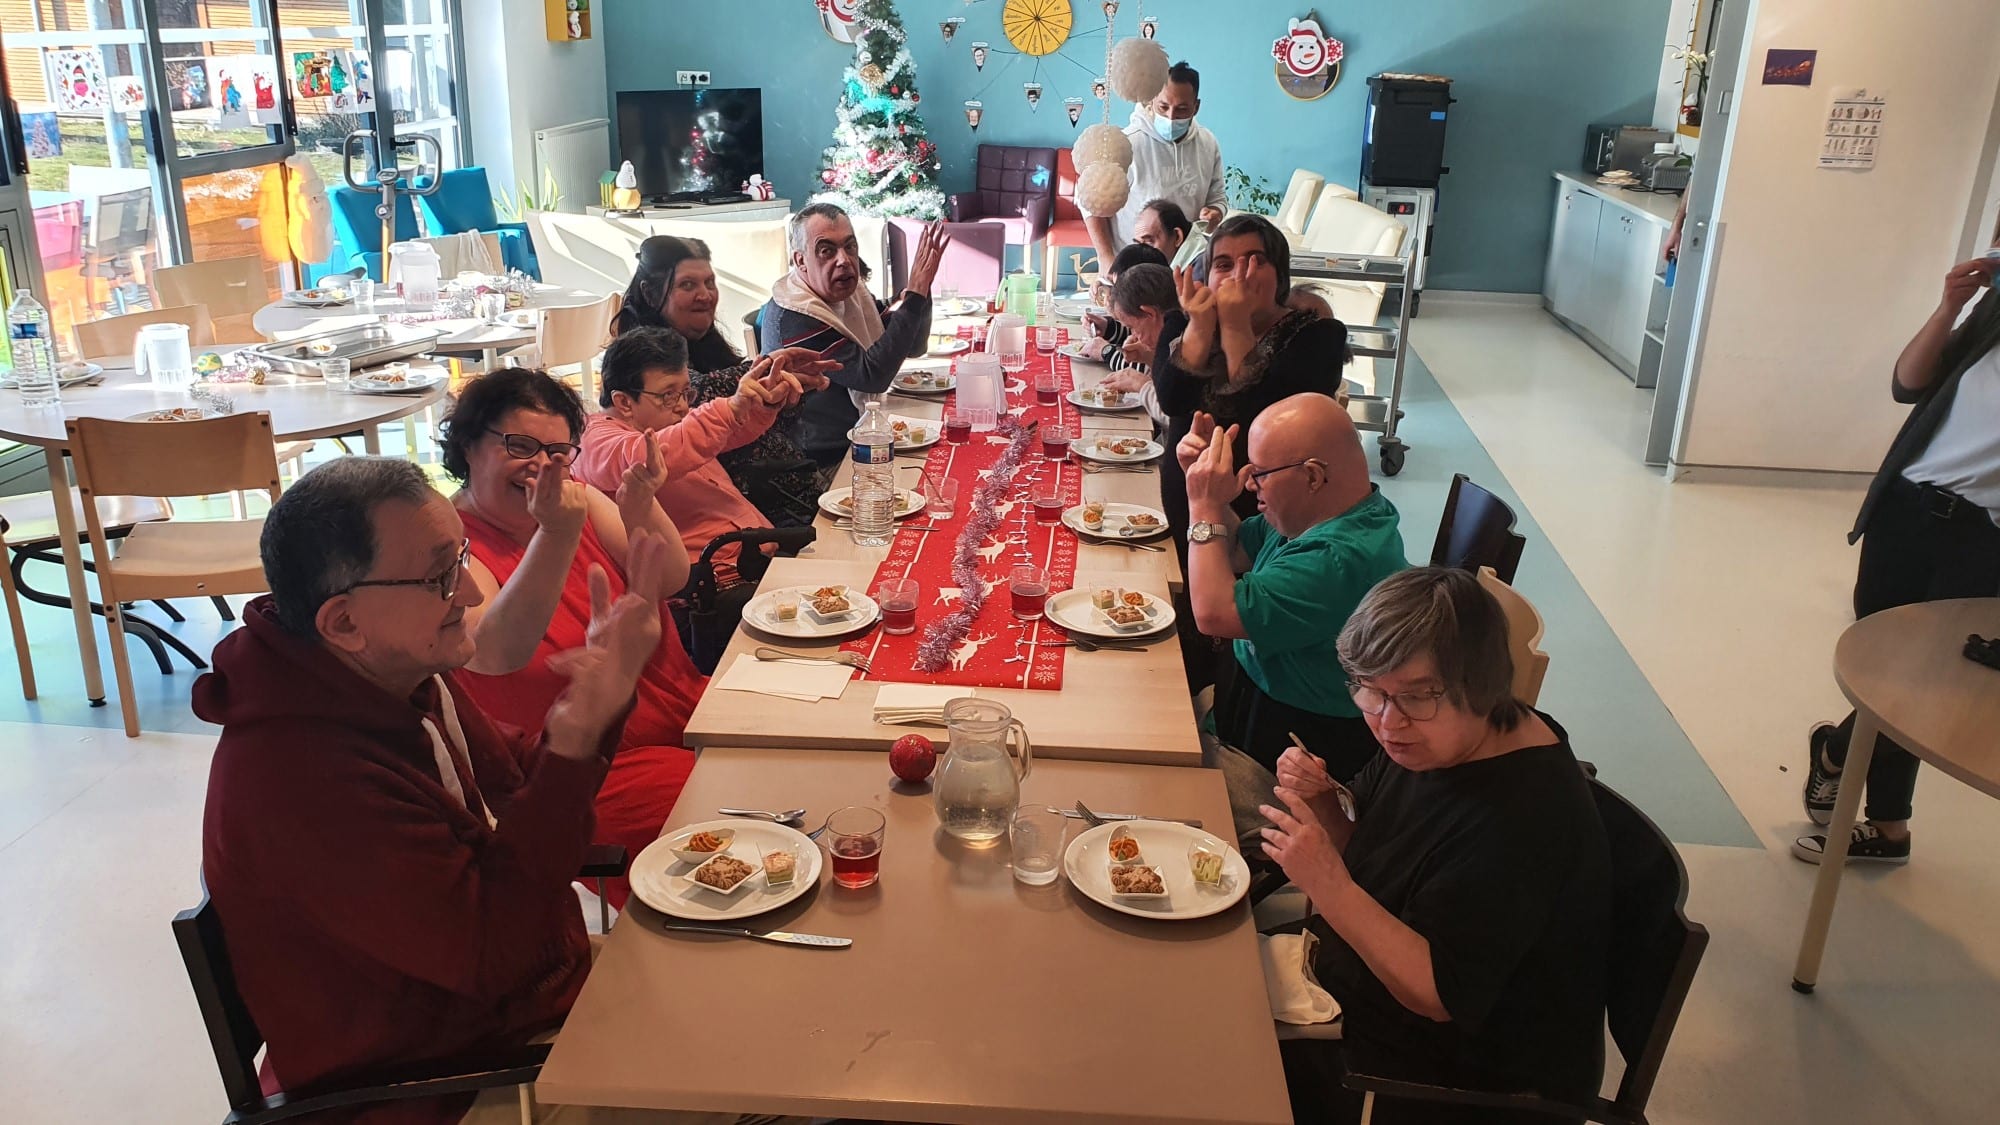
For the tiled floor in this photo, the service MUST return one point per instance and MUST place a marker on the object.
(1703, 607)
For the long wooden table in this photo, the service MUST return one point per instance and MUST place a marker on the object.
(1116, 706)
(966, 997)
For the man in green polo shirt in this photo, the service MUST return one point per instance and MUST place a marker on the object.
(1283, 582)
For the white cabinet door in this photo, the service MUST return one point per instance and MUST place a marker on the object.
(1638, 252)
(1572, 245)
(1597, 303)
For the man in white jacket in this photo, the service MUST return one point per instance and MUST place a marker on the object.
(1173, 158)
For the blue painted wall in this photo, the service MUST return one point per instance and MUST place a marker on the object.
(1529, 76)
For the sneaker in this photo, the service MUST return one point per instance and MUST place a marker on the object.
(1867, 845)
(1822, 785)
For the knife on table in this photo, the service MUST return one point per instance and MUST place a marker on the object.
(782, 937)
(1074, 815)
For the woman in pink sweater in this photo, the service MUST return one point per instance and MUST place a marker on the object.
(645, 398)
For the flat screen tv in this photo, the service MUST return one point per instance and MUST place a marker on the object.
(686, 144)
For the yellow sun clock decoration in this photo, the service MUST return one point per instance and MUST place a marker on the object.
(1036, 27)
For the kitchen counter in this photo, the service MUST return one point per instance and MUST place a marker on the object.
(1653, 206)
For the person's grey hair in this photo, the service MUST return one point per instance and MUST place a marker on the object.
(1145, 286)
(319, 538)
(796, 230)
(1444, 613)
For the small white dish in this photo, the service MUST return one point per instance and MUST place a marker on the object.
(908, 503)
(1115, 619)
(936, 384)
(1091, 400)
(694, 877)
(1113, 871)
(1108, 450)
(689, 855)
(948, 345)
(659, 880)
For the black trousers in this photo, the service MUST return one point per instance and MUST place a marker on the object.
(1913, 554)
(1260, 726)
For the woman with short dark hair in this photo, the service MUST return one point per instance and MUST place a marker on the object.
(1462, 886)
(536, 536)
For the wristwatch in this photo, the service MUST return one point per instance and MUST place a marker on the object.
(1204, 531)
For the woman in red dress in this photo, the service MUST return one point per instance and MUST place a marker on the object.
(535, 534)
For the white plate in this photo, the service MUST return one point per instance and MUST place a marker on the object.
(300, 299)
(932, 432)
(1097, 449)
(523, 319)
(956, 346)
(958, 306)
(413, 383)
(908, 503)
(1165, 845)
(661, 881)
(1072, 610)
(761, 614)
(1126, 403)
(92, 371)
(941, 385)
(1115, 522)
(198, 413)
(1074, 351)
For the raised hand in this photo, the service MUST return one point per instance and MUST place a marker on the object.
(623, 636)
(930, 253)
(1126, 381)
(1211, 215)
(558, 504)
(1196, 441)
(1136, 353)
(1233, 303)
(1212, 479)
(1299, 843)
(1197, 300)
(641, 484)
(807, 364)
(1964, 282)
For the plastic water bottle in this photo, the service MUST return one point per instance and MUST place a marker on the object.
(34, 356)
(874, 443)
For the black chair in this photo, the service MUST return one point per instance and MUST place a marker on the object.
(1477, 530)
(707, 612)
(1654, 953)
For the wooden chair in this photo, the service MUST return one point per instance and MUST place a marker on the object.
(1477, 530)
(1524, 636)
(179, 558)
(575, 335)
(233, 289)
(1653, 956)
(113, 335)
(233, 1034)
(22, 660)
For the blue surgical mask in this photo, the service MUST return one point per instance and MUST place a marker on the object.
(1172, 129)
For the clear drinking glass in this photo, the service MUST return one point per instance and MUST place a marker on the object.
(1036, 838)
(941, 499)
(854, 838)
(948, 291)
(337, 372)
(898, 598)
(1045, 339)
(1029, 586)
(363, 289)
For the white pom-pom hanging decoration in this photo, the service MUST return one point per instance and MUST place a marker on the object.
(1138, 69)
(1102, 189)
(1100, 144)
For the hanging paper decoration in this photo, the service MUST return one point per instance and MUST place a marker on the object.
(1034, 92)
(43, 132)
(187, 84)
(76, 78)
(1308, 60)
(1149, 28)
(1138, 69)
(1102, 144)
(979, 56)
(353, 83)
(312, 74)
(1074, 108)
(840, 18)
(949, 28)
(1102, 189)
(128, 93)
(973, 112)
(232, 96)
(1100, 88)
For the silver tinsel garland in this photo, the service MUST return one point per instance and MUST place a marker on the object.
(945, 634)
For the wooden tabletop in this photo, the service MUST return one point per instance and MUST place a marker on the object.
(1122, 706)
(966, 997)
(1906, 666)
(299, 408)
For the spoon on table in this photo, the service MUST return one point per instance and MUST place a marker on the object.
(789, 816)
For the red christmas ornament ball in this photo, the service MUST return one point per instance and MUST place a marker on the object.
(913, 757)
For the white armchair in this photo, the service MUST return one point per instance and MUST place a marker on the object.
(1298, 203)
(1342, 224)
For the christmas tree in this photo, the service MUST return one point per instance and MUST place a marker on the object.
(880, 161)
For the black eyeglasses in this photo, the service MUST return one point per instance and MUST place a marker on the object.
(1257, 475)
(667, 399)
(445, 584)
(1417, 706)
(521, 447)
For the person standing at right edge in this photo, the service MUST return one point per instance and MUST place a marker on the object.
(1930, 531)
(1174, 159)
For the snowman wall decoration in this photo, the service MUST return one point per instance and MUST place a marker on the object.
(840, 18)
(1308, 60)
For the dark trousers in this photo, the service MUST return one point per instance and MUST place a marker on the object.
(1260, 726)
(1314, 1069)
(1911, 553)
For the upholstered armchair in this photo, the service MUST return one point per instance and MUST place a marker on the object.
(1015, 190)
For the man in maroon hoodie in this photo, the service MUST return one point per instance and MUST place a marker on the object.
(392, 869)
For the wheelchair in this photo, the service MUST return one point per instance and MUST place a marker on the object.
(707, 612)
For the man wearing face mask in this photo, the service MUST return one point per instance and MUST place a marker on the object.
(1173, 159)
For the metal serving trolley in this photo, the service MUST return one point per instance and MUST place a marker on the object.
(1377, 413)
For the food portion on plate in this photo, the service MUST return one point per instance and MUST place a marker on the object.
(1137, 881)
(779, 868)
(909, 436)
(947, 344)
(922, 381)
(1123, 447)
(176, 414)
(1206, 861)
(724, 873)
(1145, 521)
(1124, 848)
(703, 845)
(1105, 398)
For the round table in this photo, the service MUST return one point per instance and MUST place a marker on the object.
(299, 409)
(1906, 673)
(467, 336)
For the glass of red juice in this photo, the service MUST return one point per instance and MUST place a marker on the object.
(1055, 442)
(957, 430)
(1047, 498)
(1030, 586)
(1047, 388)
(854, 838)
(898, 599)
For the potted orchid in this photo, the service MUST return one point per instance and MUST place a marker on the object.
(1697, 66)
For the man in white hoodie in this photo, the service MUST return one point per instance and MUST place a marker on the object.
(1173, 158)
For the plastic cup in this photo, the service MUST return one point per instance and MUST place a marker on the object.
(957, 428)
(1036, 838)
(1055, 443)
(1046, 495)
(336, 372)
(1029, 586)
(1045, 340)
(941, 499)
(898, 598)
